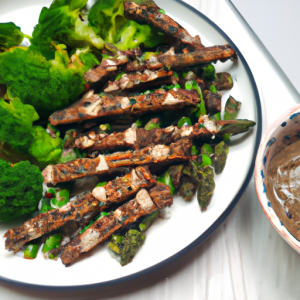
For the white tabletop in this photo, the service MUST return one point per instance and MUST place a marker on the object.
(245, 258)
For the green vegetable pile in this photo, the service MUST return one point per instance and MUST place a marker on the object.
(20, 189)
(48, 75)
(21, 140)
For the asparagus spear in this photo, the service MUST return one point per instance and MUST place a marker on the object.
(206, 187)
(219, 157)
(232, 109)
(83, 207)
(145, 203)
(179, 151)
(127, 246)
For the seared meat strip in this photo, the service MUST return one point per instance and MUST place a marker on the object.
(151, 14)
(92, 105)
(139, 80)
(201, 56)
(105, 69)
(144, 203)
(179, 151)
(86, 206)
(140, 137)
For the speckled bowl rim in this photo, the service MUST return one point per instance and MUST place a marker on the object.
(262, 196)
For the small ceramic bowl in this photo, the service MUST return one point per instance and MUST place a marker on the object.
(279, 139)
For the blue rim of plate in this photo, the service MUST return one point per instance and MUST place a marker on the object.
(214, 226)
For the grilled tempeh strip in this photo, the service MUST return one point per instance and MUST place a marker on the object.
(92, 106)
(145, 203)
(179, 151)
(201, 56)
(139, 80)
(90, 204)
(105, 69)
(140, 137)
(150, 14)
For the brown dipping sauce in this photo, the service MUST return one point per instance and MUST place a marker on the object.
(283, 187)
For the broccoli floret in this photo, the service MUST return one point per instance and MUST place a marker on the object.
(10, 35)
(46, 85)
(20, 189)
(25, 140)
(62, 22)
(108, 21)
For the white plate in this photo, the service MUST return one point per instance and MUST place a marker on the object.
(166, 239)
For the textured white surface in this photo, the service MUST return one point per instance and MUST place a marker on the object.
(244, 258)
(280, 36)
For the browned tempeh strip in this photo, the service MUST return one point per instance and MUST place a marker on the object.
(150, 14)
(144, 203)
(139, 80)
(92, 106)
(140, 137)
(201, 56)
(179, 151)
(105, 69)
(101, 198)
